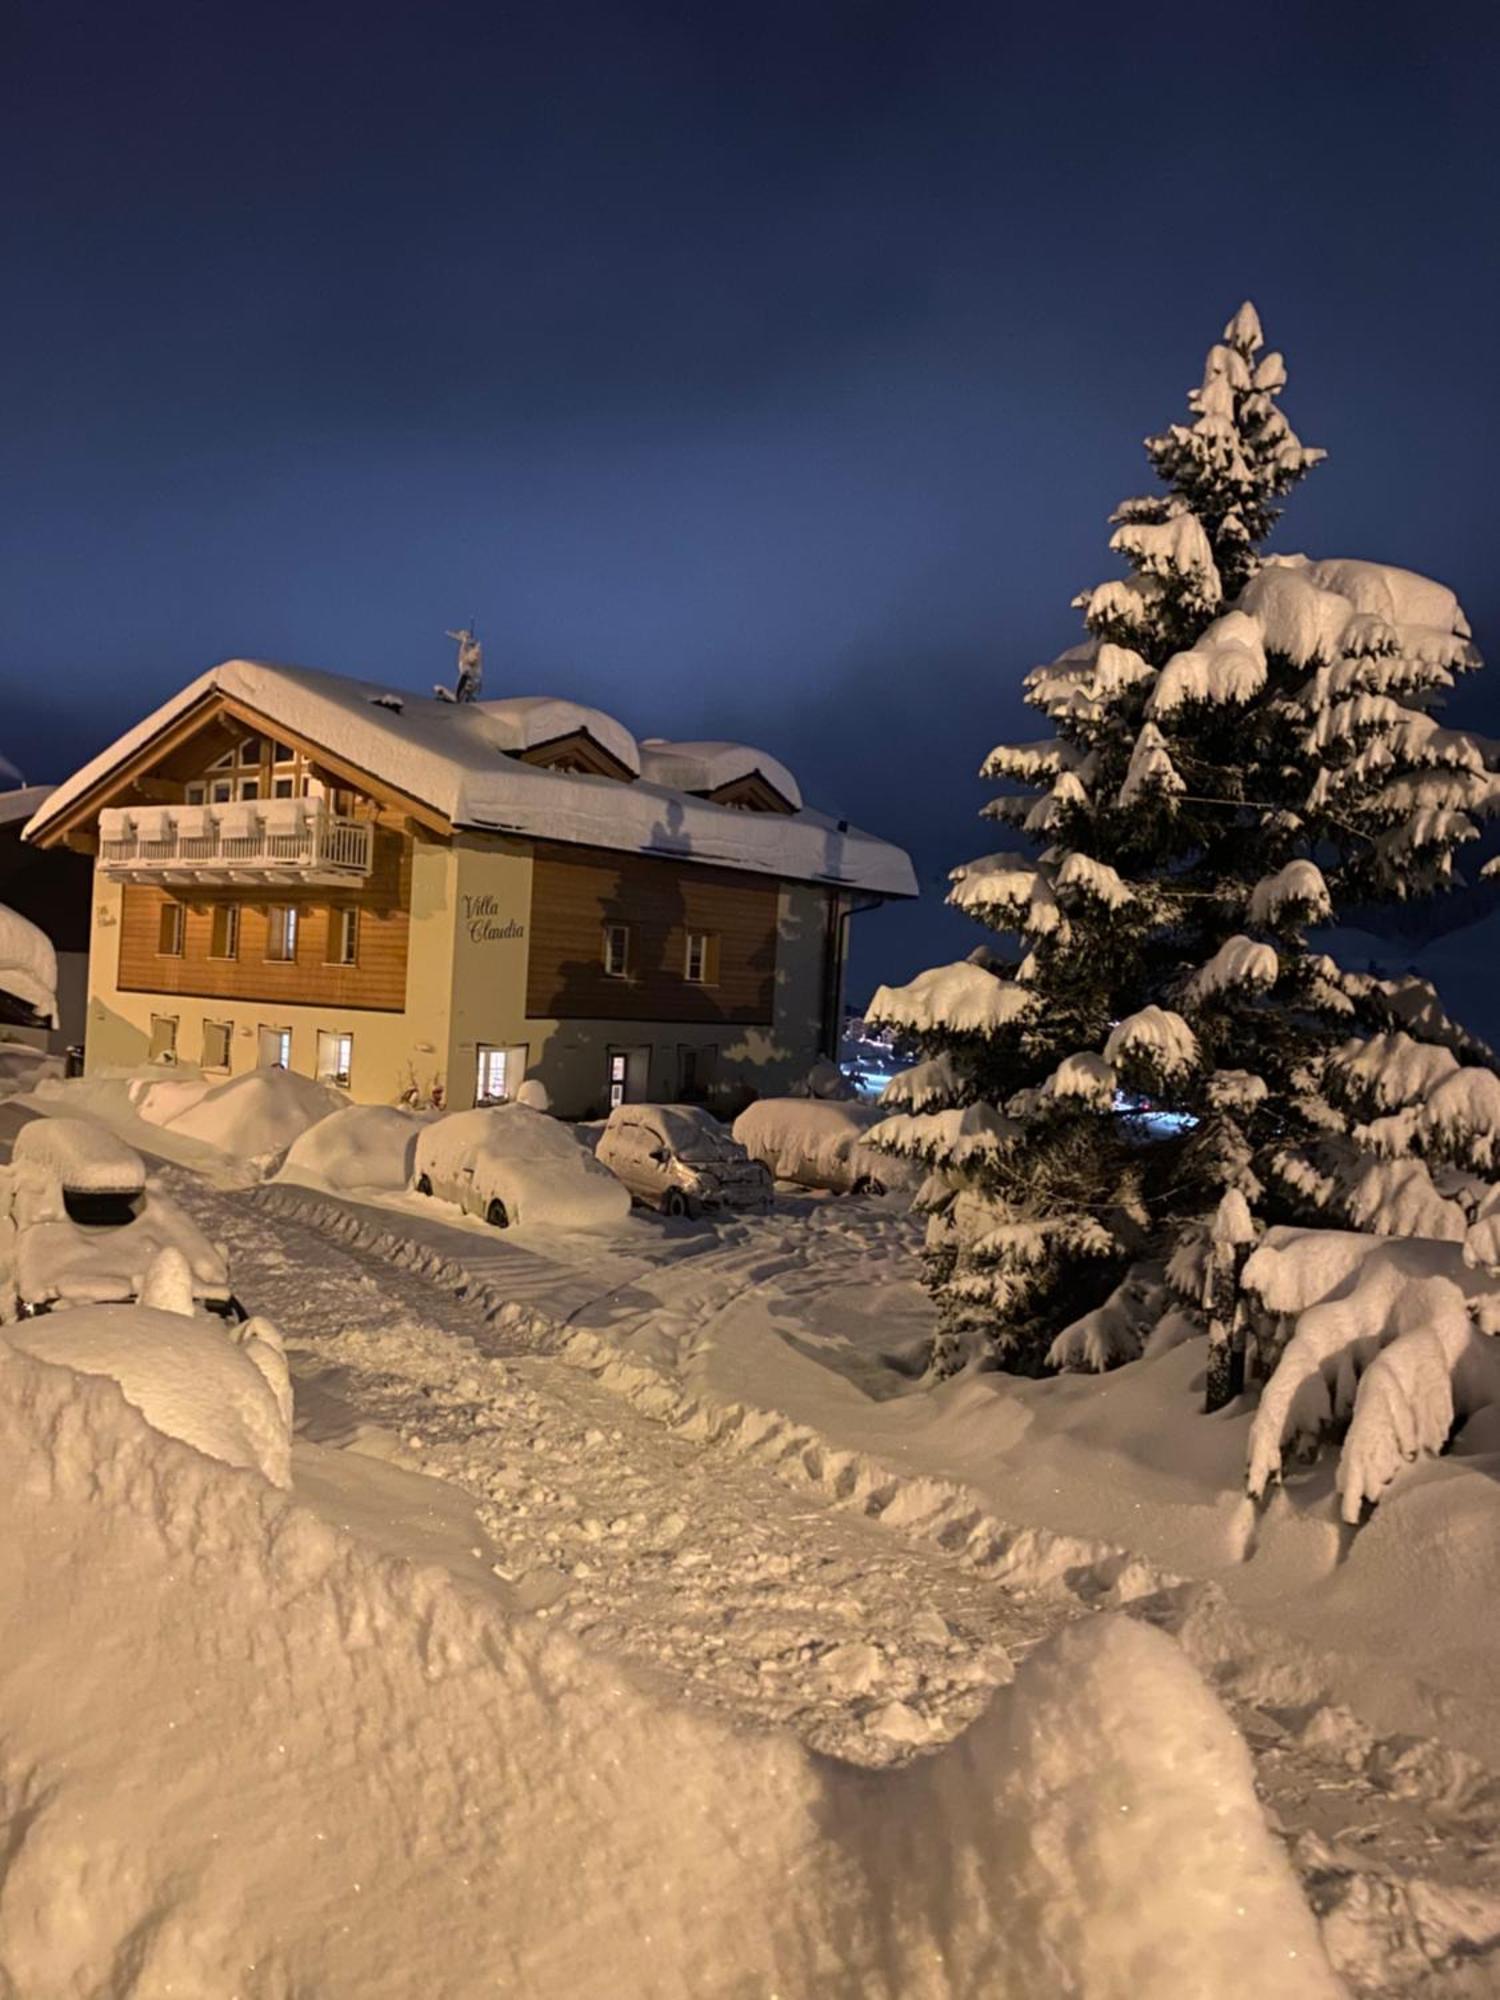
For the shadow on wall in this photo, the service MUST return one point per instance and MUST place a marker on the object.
(663, 1036)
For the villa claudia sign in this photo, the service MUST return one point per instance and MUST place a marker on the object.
(487, 922)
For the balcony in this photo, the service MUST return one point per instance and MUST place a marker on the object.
(267, 840)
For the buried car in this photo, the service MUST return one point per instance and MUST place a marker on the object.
(679, 1159)
(822, 1143)
(86, 1224)
(512, 1165)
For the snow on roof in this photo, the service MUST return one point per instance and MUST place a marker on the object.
(28, 965)
(23, 802)
(524, 721)
(704, 767)
(445, 755)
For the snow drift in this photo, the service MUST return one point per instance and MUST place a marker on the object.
(254, 1116)
(243, 1753)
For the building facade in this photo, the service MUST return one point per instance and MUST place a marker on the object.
(433, 902)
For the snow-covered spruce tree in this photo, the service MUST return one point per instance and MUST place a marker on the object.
(1239, 741)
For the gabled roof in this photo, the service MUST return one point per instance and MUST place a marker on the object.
(449, 758)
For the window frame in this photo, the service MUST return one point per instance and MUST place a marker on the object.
(343, 1041)
(168, 1050)
(284, 1039)
(283, 924)
(231, 915)
(226, 1028)
(622, 969)
(708, 971)
(485, 1052)
(176, 912)
(342, 917)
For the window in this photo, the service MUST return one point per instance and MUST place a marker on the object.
(490, 1082)
(617, 950)
(617, 1072)
(282, 753)
(249, 788)
(699, 960)
(221, 791)
(343, 937)
(163, 1038)
(169, 930)
(224, 936)
(216, 1037)
(250, 750)
(283, 788)
(197, 794)
(275, 1048)
(335, 1057)
(281, 935)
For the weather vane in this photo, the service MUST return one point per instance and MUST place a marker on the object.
(470, 667)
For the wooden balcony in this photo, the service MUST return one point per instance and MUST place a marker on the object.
(289, 841)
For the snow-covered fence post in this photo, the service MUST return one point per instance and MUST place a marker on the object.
(1229, 1244)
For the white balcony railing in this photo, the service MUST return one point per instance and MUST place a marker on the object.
(267, 840)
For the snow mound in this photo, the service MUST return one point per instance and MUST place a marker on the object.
(257, 1115)
(28, 966)
(820, 1142)
(362, 1146)
(275, 1748)
(222, 1390)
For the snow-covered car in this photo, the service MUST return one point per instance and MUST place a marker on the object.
(821, 1143)
(86, 1224)
(513, 1165)
(679, 1159)
(98, 1175)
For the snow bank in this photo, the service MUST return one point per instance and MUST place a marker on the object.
(259, 1114)
(224, 1390)
(28, 965)
(362, 1146)
(243, 1740)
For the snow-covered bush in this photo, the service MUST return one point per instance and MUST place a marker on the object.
(1239, 744)
(1391, 1339)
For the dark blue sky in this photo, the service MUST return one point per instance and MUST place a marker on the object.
(758, 371)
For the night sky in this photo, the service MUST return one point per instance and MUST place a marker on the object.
(765, 372)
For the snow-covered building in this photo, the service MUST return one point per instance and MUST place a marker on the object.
(426, 898)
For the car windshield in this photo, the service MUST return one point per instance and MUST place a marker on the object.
(693, 1134)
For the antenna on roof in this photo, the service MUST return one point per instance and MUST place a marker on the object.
(470, 666)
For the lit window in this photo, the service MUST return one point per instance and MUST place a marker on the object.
(163, 1038)
(224, 936)
(170, 929)
(698, 959)
(617, 950)
(216, 1036)
(490, 1082)
(281, 937)
(335, 1057)
(616, 1080)
(343, 936)
(275, 1048)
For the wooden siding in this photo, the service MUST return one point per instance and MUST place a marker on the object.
(377, 980)
(576, 892)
